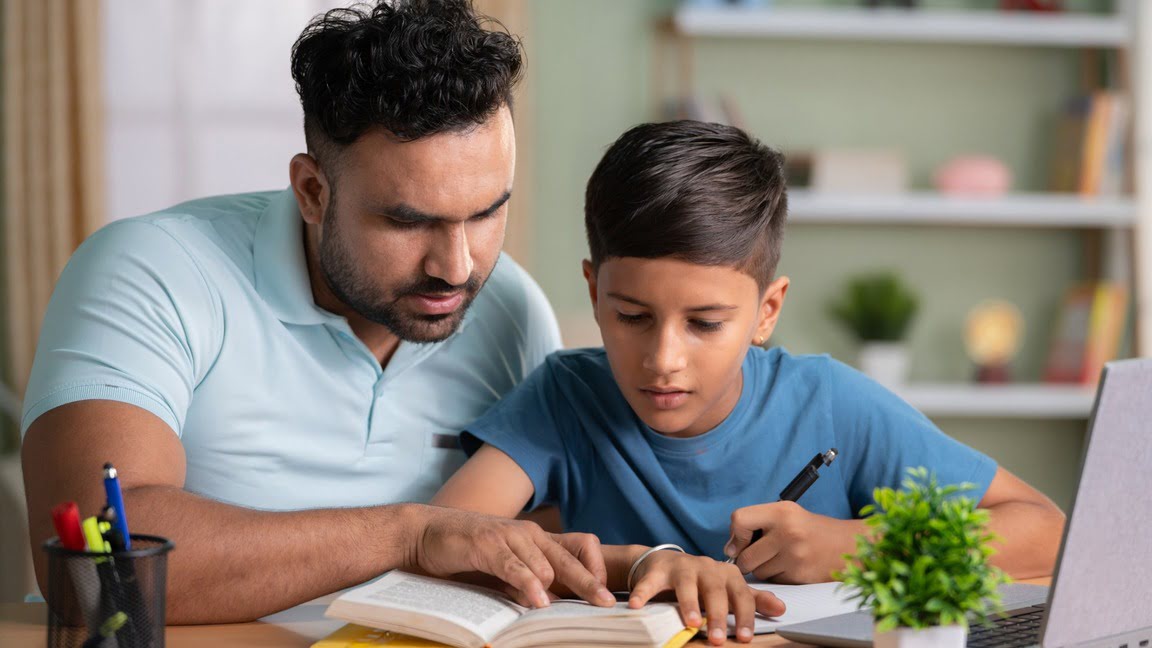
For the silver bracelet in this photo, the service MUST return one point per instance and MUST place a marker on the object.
(644, 556)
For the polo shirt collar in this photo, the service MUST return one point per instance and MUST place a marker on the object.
(281, 269)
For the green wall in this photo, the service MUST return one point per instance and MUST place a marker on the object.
(593, 62)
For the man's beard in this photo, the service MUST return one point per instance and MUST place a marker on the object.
(350, 286)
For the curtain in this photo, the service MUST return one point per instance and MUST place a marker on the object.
(52, 171)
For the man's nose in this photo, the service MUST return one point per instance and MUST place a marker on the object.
(451, 257)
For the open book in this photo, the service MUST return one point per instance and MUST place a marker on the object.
(469, 616)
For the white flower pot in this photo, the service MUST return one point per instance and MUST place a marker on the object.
(885, 362)
(950, 636)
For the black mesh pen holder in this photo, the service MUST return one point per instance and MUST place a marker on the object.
(107, 600)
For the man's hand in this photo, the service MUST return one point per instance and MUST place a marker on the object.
(797, 547)
(527, 558)
(701, 581)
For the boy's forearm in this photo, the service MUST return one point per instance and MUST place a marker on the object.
(618, 560)
(1029, 538)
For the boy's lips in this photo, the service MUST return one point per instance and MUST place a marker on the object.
(665, 398)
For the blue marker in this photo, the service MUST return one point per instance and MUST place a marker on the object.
(116, 501)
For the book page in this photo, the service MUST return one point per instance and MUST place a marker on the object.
(481, 611)
(804, 603)
(569, 622)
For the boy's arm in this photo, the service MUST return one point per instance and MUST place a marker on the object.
(490, 482)
(803, 547)
(1029, 526)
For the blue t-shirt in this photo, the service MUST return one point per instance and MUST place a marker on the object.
(585, 450)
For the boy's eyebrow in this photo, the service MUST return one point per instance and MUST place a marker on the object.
(412, 215)
(693, 309)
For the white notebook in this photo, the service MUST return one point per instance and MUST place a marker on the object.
(804, 603)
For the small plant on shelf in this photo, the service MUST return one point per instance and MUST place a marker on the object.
(878, 310)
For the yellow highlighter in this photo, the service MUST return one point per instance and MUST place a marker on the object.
(93, 536)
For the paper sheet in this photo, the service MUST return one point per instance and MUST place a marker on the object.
(804, 603)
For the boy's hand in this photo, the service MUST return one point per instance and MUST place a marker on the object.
(700, 581)
(798, 546)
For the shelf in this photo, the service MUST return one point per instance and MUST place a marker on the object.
(927, 208)
(1038, 401)
(913, 25)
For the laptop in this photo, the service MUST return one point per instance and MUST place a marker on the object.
(1101, 594)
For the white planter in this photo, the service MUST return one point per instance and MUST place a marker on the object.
(885, 362)
(950, 636)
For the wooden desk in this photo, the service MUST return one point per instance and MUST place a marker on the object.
(24, 625)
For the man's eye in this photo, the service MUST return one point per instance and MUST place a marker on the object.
(403, 224)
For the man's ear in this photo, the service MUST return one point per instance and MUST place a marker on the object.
(590, 277)
(310, 186)
(770, 305)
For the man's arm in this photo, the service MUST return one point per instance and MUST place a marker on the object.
(236, 564)
(803, 547)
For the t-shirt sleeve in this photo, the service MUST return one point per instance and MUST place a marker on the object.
(880, 436)
(132, 319)
(533, 425)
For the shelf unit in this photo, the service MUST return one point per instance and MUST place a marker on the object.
(1000, 401)
(1117, 218)
(912, 25)
(927, 208)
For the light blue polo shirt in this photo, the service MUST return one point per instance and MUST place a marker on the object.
(203, 315)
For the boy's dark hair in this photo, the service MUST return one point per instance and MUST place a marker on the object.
(704, 193)
(413, 67)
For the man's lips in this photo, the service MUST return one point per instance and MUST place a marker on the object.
(438, 304)
(665, 398)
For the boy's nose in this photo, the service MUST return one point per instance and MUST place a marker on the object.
(666, 355)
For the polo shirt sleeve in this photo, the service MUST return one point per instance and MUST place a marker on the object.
(132, 319)
(535, 426)
(880, 436)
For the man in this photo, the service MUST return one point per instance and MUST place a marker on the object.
(269, 371)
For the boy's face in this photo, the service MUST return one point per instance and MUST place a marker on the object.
(676, 334)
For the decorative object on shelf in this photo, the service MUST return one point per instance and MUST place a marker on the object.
(729, 3)
(1088, 332)
(992, 334)
(798, 169)
(878, 309)
(859, 171)
(973, 175)
(923, 567)
(1032, 5)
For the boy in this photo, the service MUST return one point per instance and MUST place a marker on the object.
(682, 429)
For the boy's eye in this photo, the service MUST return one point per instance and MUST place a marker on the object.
(630, 319)
(707, 326)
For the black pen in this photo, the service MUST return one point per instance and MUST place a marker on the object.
(795, 488)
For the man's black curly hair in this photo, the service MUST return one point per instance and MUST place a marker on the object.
(413, 67)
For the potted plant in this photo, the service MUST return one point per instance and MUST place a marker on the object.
(878, 309)
(923, 567)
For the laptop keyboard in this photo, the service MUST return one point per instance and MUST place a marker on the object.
(1011, 632)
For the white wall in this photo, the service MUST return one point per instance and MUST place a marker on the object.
(199, 98)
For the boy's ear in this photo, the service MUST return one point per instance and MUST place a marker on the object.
(770, 305)
(590, 277)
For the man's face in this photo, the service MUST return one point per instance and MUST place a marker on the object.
(676, 334)
(412, 230)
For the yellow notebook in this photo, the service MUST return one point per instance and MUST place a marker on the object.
(405, 606)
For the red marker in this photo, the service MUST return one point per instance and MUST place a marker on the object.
(66, 517)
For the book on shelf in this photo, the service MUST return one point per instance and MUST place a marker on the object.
(1091, 143)
(1088, 333)
(408, 611)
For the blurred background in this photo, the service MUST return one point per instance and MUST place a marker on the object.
(964, 221)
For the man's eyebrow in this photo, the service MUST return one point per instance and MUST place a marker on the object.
(409, 214)
(693, 309)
